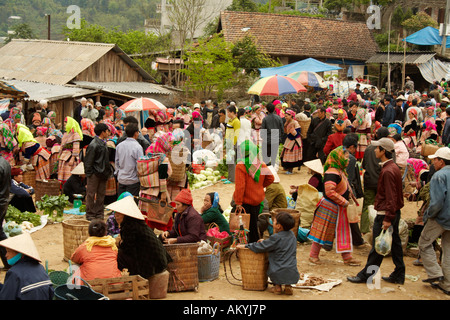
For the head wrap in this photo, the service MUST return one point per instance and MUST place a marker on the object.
(73, 126)
(36, 117)
(429, 125)
(41, 131)
(88, 125)
(196, 116)
(215, 203)
(394, 129)
(250, 156)
(51, 115)
(16, 172)
(46, 121)
(14, 111)
(417, 165)
(336, 159)
(291, 113)
(111, 126)
(123, 195)
(120, 114)
(185, 197)
(162, 144)
(361, 115)
(56, 133)
(178, 135)
(8, 137)
(25, 135)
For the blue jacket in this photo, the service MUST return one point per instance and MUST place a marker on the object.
(389, 115)
(26, 280)
(282, 249)
(439, 208)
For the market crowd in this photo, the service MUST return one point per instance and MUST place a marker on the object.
(363, 148)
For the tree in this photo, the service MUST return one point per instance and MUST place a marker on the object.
(21, 31)
(418, 22)
(249, 57)
(243, 5)
(209, 66)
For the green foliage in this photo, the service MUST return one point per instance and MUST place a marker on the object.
(243, 5)
(418, 22)
(123, 14)
(14, 214)
(350, 4)
(248, 56)
(21, 31)
(53, 206)
(209, 65)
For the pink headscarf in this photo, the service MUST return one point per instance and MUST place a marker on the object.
(417, 165)
(162, 144)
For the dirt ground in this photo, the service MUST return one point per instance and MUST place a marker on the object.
(49, 241)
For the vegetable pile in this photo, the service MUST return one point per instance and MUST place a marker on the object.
(15, 215)
(205, 178)
(53, 206)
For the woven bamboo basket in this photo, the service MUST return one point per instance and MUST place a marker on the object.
(52, 187)
(178, 169)
(253, 269)
(75, 232)
(184, 267)
(294, 213)
(304, 124)
(122, 288)
(29, 178)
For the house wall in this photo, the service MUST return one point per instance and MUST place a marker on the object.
(109, 68)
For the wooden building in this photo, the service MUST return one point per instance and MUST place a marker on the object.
(66, 65)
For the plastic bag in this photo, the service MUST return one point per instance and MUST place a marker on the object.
(383, 243)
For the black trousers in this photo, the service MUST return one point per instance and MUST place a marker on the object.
(253, 235)
(3, 210)
(374, 259)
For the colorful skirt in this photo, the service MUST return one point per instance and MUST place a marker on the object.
(41, 163)
(364, 138)
(291, 158)
(330, 222)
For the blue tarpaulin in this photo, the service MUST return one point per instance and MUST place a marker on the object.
(309, 64)
(428, 36)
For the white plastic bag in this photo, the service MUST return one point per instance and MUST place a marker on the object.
(383, 243)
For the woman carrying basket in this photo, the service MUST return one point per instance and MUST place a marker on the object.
(330, 219)
(252, 176)
(291, 157)
(69, 156)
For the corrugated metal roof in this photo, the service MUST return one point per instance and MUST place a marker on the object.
(38, 91)
(56, 62)
(125, 87)
(397, 57)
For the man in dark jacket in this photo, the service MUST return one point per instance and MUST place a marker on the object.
(388, 203)
(98, 170)
(5, 187)
(318, 133)
(389, 112)
(272, 130)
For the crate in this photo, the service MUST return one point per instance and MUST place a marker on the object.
(122, 288)
(209, 265)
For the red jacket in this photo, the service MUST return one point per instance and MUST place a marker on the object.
(334, 141)
(247, 190)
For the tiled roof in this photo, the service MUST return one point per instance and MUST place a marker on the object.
(290, 35)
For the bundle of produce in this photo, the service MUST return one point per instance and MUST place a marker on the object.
(53, 206)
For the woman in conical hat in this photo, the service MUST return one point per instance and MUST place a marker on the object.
(140, 251)
(26, 279)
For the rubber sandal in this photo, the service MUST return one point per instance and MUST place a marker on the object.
(275, 291)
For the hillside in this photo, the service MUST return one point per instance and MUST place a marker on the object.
(123, 14)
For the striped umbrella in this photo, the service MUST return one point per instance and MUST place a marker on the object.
(309, 79)
(142, 104)
(275, 86)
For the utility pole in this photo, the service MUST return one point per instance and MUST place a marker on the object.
(48, 26)
(444, 32)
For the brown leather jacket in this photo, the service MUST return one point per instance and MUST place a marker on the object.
(389, 196)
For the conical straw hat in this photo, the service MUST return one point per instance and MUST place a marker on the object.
(79, 169)
(128, 207)
(275, 174)
(315, 165)
(22, 243)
